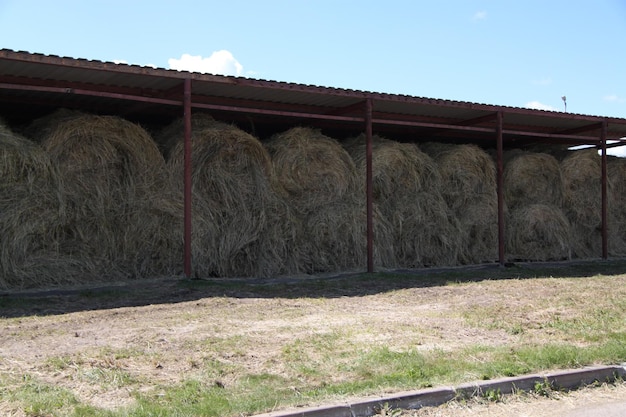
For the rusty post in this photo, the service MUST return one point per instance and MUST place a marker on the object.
(500, 187)
(605, 240)
(369, 187)
(187, 177)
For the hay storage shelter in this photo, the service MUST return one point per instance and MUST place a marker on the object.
(34, 85)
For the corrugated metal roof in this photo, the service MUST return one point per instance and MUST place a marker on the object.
(53, 80)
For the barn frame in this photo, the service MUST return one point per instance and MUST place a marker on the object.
(33, 84)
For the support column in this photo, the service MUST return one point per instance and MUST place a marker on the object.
(500, 189)
(605, 228)
(187, 177)
(369, 187)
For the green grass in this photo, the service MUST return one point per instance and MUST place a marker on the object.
(323, 367)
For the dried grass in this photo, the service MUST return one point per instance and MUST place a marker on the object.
(468, 173)
(582, 178)
(538, 232)
(533, 178)
(112, 174)
(616, 172)
(322, 189)
(406, 189)
(479, 232)
(241, 225)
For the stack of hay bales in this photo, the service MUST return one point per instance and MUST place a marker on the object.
(120, 223)
(537, 228)
(406, 189)
(582, 176)
(241, 226)
(616, 173)
(32, 213)
(469, 188)
(323, 192)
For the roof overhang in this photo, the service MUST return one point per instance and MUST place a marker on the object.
(32, 84)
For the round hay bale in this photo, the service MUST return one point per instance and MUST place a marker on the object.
(533, 178)
(22, 161)
(468, 173)
(479, 232)
(40, 128)
(313, 168)
(582, 176)
(113, 175)
(236, 202)
(538, 232)
(406, 185)
(616, 172)
(397, 168)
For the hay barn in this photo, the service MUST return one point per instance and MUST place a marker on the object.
(116, 172)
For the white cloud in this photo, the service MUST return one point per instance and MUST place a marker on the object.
(539, 106)
(481, 15)
(542, 81)
(220, 62)
(614, 98)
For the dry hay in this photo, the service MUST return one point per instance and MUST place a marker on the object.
(40, 128)
(112, 172)
(616, 172)
(323, 192)
(241, 227)
(406, 185)
(479, 232)
(313, 168)
(538, 232)
(468, 173)
(22, 161)
(533, 178)
(583, 201)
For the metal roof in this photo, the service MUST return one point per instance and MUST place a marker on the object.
(31, 84)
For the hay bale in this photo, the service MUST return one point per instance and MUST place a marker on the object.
(616, 173)
(240, 224)
(406, 189)
(533, 178)
(22, 161)
(322, 189)
(468, 173)
(40, 128)
(582, 177)
(478, 225)
(313, 168)
(112, 174)
(538, 232)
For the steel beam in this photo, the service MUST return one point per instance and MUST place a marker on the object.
(605, 228)
(369, 186)
(187, 177)
(500, 187)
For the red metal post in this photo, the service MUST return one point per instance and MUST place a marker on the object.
(500, 189)
(605, 240)
(187, 177)
(369, 187)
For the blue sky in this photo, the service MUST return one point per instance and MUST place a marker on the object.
(524, 53)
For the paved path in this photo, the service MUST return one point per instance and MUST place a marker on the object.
(616, 409)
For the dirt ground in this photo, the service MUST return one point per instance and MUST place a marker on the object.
(159, 331)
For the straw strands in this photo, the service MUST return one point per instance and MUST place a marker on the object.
(241, 226)
(538, 232)
(468, 178)
(406, 189)
(320, 181)
(583, 201)
(532, 178)
(616, 172)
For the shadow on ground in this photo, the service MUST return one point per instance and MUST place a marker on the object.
(176, 289)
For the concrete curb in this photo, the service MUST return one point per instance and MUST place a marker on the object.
(567, 380)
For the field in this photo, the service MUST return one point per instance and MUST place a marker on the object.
(229, 347)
